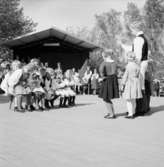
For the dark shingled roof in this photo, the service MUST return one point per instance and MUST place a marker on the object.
(51, 32)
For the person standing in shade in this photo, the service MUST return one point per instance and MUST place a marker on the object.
(109, 86)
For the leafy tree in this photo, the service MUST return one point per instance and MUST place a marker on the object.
(131, 14)
(154, 18)
(110, 28)
(81, 32)
(13, 22)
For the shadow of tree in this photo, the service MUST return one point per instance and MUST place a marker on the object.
(155, 110)
(76, 105)
(121, 114)
(83, 104)
(4, 99)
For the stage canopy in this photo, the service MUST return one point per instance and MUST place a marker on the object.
(52, 46)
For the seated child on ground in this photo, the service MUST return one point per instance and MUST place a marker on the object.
(39, 92)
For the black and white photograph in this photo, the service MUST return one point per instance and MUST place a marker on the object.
(81, 83)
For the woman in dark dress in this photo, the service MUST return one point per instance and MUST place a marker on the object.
(109, 86)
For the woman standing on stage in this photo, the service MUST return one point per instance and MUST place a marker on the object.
(109, 86)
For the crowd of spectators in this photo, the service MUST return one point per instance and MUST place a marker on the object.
(39, 86)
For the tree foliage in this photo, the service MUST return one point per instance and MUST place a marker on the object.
(13, 22)
(154, 19)
(112, 26)
(131, 14)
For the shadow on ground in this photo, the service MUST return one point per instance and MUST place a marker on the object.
(152, 111)
(56, 107)
(155, 110)
(121, 114)
(83, 104)
(4, 99)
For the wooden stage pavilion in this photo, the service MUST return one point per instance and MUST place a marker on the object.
(52, 46)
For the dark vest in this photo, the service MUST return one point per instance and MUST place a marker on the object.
(144, 48)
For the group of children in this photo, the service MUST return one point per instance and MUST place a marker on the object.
(35, 87)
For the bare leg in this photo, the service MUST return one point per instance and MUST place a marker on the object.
(11, 100)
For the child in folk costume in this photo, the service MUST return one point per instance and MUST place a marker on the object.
(63, 90)
(38, 91)
(94, 81)
(58, 86)
(5, 86)
(36, 84)
(35, 62)
(58, 71)
(4, 83)
(77, 82)
(86, 80)
(109, 84)
(69, 83)
(16, 84)
(29, 98)
(132, 84)
(50, 93)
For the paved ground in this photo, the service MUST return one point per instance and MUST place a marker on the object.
(81, 137)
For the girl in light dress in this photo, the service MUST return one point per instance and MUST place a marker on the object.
(5, 86)
(62, 87)
(36, 84)
(77, 81)
(58, 87)
(132, 84)
(16, 85)
(87, 80)
(27, 69)
(38, 91)
(4, 83)
(69, 84)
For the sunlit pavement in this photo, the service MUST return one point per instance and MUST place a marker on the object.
(81, 137)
